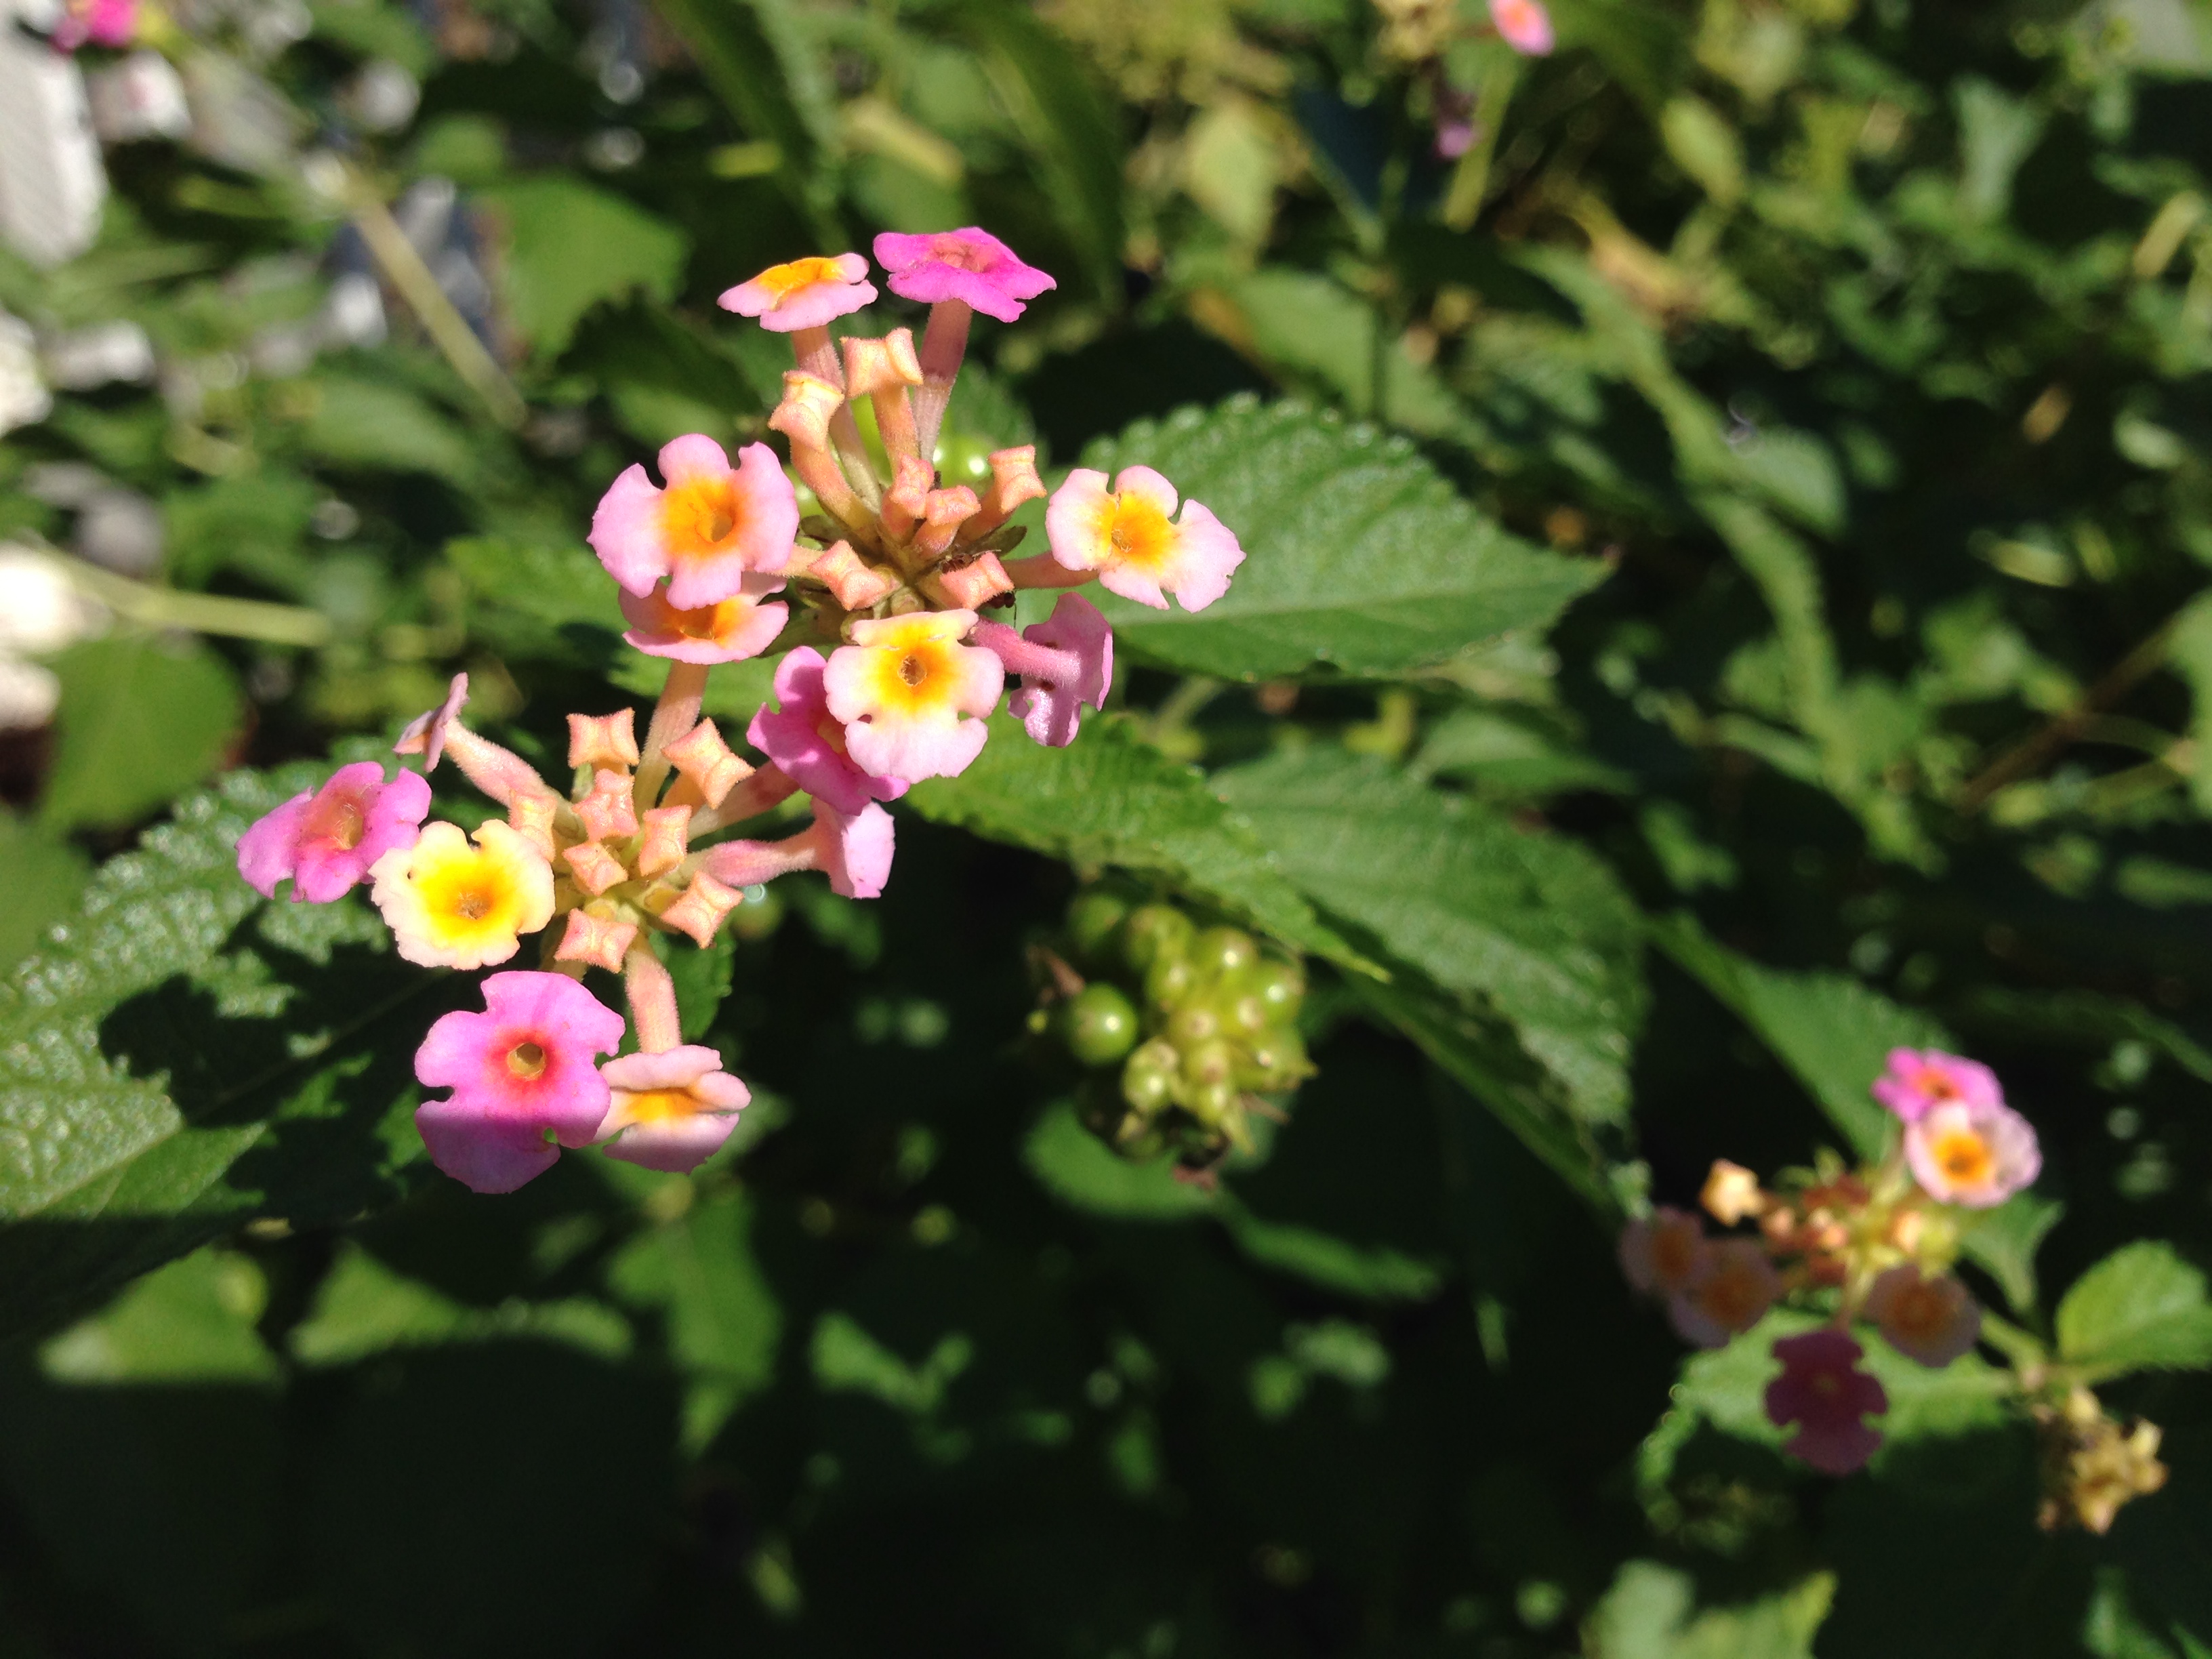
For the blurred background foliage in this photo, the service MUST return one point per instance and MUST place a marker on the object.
(1851, 358)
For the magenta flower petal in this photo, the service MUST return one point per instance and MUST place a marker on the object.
(969, 266)
(523, 1079)
(1050, 708)
(808, 744)
(1920, 1079)
(1824, 1393)
(325, 841)
(855, 848)
(1524, 25)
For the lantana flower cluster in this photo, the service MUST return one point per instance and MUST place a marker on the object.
(1877, 1245)
(874, 592)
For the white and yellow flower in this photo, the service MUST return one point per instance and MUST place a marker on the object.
(450, 904)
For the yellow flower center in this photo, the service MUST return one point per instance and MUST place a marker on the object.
(700, 516)
(911, 680)
(339, 821)
(709, 622)
(1964, 1157)
(660, 1105)
(1139, 531)
(785, 280)
(527, 1061)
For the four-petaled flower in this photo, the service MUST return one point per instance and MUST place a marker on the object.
(452, 905)
(902, 688)
(1974, 1152)
(1130, 537)
(1065, 661)
(1932, 1319)
(728, 630)
(809, 293)
(806, 740)
(523, 1079)
(1919, 1080)
(670, 1110)
(325, 840)
(711, 526)
(1524, 25)
(970, 265)
(1822, 1391)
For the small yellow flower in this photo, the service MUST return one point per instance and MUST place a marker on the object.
(451, 905)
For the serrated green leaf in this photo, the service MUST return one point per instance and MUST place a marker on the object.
(1534, 925)
(181, 1057)
(1111, 798)
(2143, 1307)
(1359, 555)
(139, 720)
(570, 247)
(1833, 1032)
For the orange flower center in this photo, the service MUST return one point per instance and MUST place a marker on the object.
(1139, 531)
(527, 1061)
(784, 281)
(709, 622)
(339, 821)
(658, 1105)
(700, 516)
(1964, 1157)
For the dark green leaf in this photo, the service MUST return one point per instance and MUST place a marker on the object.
(570, 247)
(140, 720)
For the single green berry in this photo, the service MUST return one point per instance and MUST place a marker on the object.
(1155, 934)
(1099, 1025)
(1209, 1063)
(1194, 1023)
(1220, 952)
(1168, 981)
(1148, 1078)
(1247, 1017)
(1214, 1104)
(1280, 986)
(1275, 1062)
(1091, 919)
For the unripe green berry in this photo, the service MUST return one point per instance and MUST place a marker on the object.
(1214, 1104)
(1220, 952)
(1194, 1023)
(1099, 1025)
(1155, 934)
(1148, 1079)
(1209, 1063)
(1091, 919)
(1275, 1062)
(1247, 1017)
(1168, 981)
(1280, 986)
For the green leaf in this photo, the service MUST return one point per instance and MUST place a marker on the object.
(1532, 924)
(1651, 1612)
(1111, 798)
(2004, 1241)
(542, 601)
(1083, 1172)
(570, 247)
(191, 1322)
(1322, 331)
(1832, 1033)
(182, 1057)
(41, 877)
(373, 426)
(2142, 1307)
(140, 720)
(1359, 553)
(1375, 1272)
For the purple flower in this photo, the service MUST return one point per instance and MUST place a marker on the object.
(1065, 662)
(1822, 1390)
(325, 840)
(970, 265)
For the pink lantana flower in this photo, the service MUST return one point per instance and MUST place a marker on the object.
(1920, 1079)
(671, 1110)
(902, 689)
(729, 630)
(1976, 1153)
(1664, 1252)
(809, 293)
(711, 526)
(1524, 25)
(806, 742)
(1933, 1321)
(853, 849)
(102, 22)
(1726, 1297)
(1822, 1390)
(1128, 535)
(523, 1079)
(970, 265)
(325, 839)
(1065, 661)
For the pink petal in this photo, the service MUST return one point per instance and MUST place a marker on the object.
(857, 849)
(626, 532)
(1206, 556)
(265, 851)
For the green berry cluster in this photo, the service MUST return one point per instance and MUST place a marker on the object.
(1194, 1022)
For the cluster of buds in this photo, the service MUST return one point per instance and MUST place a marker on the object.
(1875, 1244)
(891, 579)
(1185, 1030)
(2091, 1465)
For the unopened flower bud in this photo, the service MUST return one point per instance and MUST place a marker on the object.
(1731, 1192)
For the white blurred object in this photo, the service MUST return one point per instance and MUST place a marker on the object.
(120, 530)
(383, 97)
(141, 97)
(28, 695)
(24, 395)
(99, 355)
(40, 609)
(354, 314)
(51, 183)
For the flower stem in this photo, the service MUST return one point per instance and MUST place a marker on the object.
(943, 346)
(676, 714)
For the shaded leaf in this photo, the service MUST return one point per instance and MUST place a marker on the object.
(140, 720)
(570, 247)
(2142, 1307)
